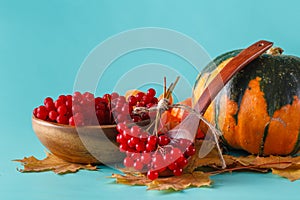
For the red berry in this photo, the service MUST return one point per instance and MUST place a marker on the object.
(128, 162)
(53, 115)
(78, 119)
(177, 171)
(71, 121)
(175, 153)
(121, 127)
(144, 136)
(125, 109)
(123, 147)
(138, 165)
(181, 163)
(139, 96)
(146, 158)
(114, 95)
(50, 106)
(122, 99)
(132, 100)
(152, 140)
(136, 118)
(155, 100)
(63, 98)
(140, 104)
(107, 97)
(163, 140)
(152, 175)
(35, 111)
(62, 109)
(100, 106)
(190, 151)
(77, 94)
(140, 147)
(42, 112)
(151, 92)
(48, 99)
(69, 97)
(99, 100)
(130, 143)
(61, 119)
(135, 131)
(58, 103)
(173, 166)
(89, 96)
(41, 116)
(69, 104)
(150, 147)
(144, 116)
(146, 99)
(135, 140)
(149, 105)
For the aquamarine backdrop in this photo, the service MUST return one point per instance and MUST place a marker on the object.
(44, 42)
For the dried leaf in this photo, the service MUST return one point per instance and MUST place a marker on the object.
(291, 173)
(131, 179)
(51, 162)
(277, 162)
(195, 179)
(211, 160)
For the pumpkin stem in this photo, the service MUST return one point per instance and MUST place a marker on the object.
(275, 51)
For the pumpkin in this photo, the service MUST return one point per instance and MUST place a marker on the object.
(258, 110)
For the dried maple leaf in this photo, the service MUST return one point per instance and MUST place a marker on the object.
(277, 162)
(195, 179)
(212, 159)
(291, 173)
(51, 162)
(131, 179)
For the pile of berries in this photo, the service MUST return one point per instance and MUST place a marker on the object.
(153, 154)
(83, 109)
(80, 109)
(123, 110)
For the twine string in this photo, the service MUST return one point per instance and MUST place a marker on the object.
(164, 105)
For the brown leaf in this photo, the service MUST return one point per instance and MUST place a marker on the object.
(211, 160)
(51, 162)
(291, 173)
(277, 162)
(131, 179)
(195, 179)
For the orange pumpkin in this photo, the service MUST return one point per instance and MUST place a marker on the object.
(259, 109)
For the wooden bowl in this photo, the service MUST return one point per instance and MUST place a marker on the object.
(87, 144)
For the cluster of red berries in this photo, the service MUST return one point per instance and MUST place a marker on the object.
(83, 109)
(154, 154)
(80, 109)
(123, 110)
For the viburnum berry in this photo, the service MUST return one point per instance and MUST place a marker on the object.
(152, 175)
(151, 92)
(53, 115)
(128, 162)
(177, 171)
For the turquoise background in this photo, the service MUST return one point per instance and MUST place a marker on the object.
(44, 42)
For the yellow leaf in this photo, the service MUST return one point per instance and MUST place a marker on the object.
(51, 162)
(131, 179)
(195, 179)
(291, 173)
